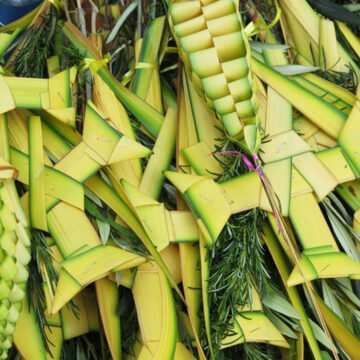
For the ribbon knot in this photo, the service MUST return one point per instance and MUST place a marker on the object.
(94, 65)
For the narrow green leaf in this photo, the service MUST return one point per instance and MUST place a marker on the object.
(260, 46)
(280, 325)
(345, 214)
(320, 334)
(89, 194)
(335, 11)
(344, 237)
(289, 70)
(330, 300)
(345, 286)
(278, 303)
(121, 21)
(104, 230)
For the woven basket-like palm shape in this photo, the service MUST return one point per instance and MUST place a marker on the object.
(14, 257)
(216, 53)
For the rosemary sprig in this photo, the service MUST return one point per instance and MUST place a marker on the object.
(236, 263)
(347, 80)
(30, 60)
(233, 166)
(236, 266)
(73, 56)
(40, 254)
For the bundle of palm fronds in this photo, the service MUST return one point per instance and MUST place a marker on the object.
(179, 180)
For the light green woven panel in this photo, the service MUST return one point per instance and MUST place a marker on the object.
(14, 258)
(215, 51)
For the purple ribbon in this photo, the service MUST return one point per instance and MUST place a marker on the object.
(262, 177)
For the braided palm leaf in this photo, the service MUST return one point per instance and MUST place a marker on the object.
(14, 248)
(216, 52)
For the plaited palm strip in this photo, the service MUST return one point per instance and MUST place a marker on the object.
(14, 249)
(204, 30)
